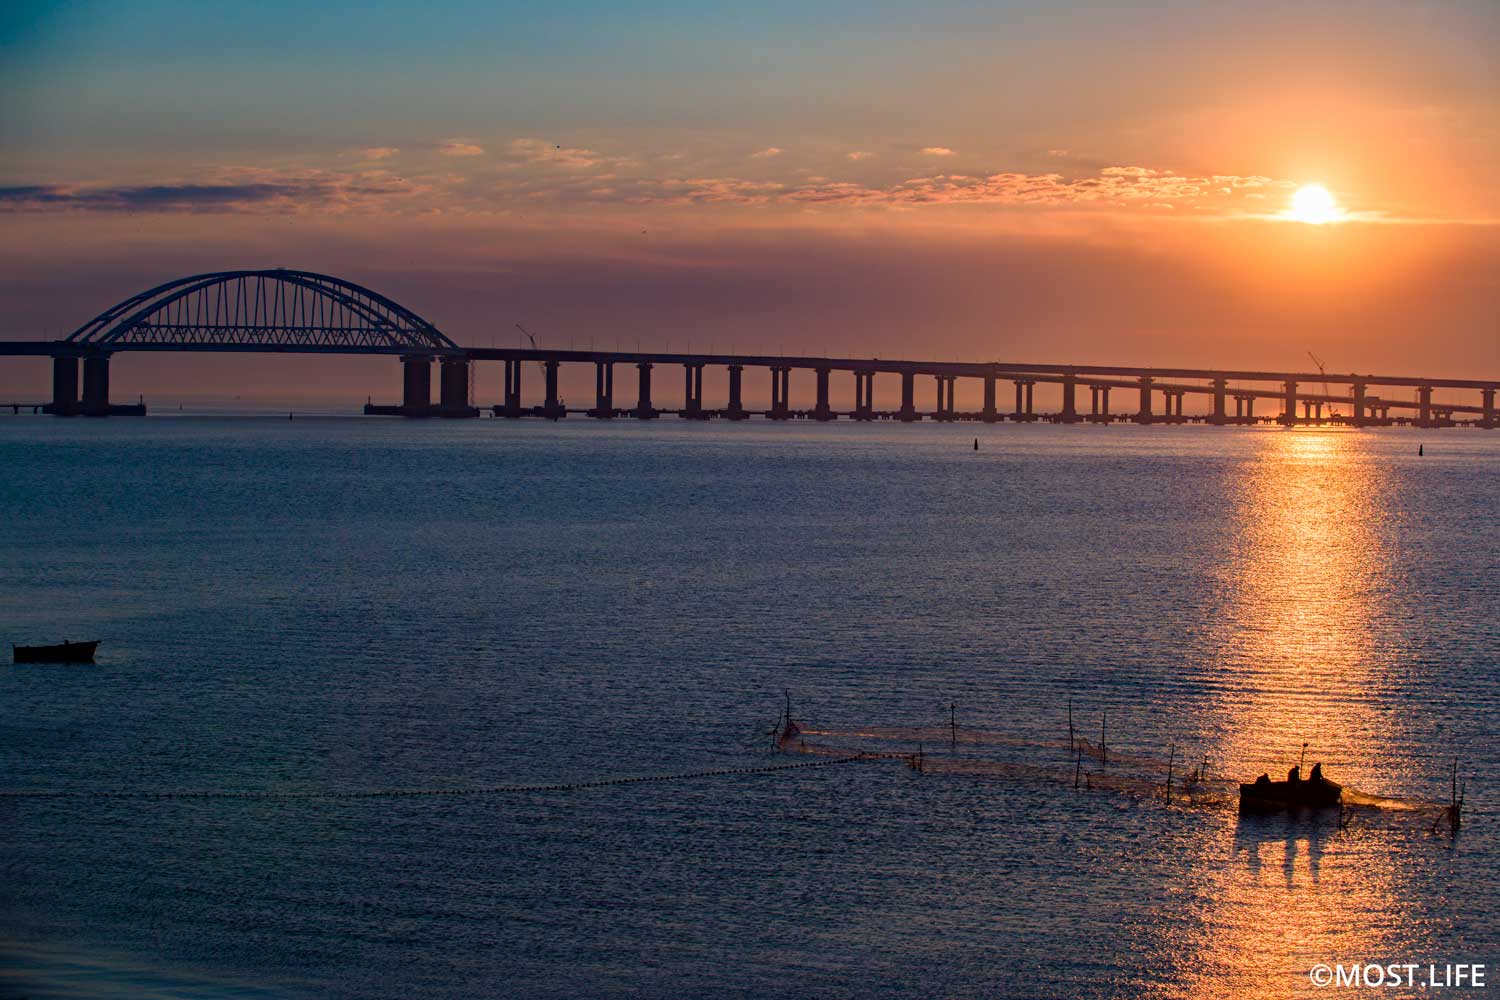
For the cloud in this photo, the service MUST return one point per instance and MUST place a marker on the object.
(767, 153)
(1121, 187)
(539, 151)
(938, 151)
(859, 154)
(460, 147)
(379, 152)
(1059, 152)
(581, 176)
(239, 190)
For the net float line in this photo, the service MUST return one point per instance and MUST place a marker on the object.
(407, 793)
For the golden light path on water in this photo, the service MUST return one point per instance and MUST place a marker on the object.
(1303, 656)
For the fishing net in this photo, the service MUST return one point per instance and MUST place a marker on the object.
(978, 753)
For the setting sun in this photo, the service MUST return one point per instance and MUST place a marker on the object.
(1313, 204)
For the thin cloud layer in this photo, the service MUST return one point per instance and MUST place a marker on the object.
(1128, 187)
(938, 151)
(535, 174)
(460, 147)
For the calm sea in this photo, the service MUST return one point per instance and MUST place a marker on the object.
(339, 605)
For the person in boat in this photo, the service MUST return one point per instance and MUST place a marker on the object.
(1294, 776)
(1264, 781)
(1317, 774)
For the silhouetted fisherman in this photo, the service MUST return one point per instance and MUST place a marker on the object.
(1317, 773)
(976, 444)
(1294, 776)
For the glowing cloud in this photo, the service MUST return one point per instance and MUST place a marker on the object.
(859, 154)
(938, 151)
(539, 151)
(460, 147)
(767, 153)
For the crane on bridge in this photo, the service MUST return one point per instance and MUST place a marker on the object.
(541, 366)
(1323, 371)
(534, 346)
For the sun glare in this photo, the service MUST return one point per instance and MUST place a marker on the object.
(1314, 205)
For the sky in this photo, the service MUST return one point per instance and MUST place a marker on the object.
(1069, 182)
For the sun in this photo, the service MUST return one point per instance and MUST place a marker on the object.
(1314, 205)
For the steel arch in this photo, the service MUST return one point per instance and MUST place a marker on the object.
(277, 308)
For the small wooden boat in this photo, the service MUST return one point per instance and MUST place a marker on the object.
(1267, 796)
(62, 652)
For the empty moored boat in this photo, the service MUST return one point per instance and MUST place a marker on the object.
(62, 652)
(1267, 796)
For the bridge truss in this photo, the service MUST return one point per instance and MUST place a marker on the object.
(272, 309)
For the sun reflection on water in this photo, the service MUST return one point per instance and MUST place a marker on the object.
(1303, 656)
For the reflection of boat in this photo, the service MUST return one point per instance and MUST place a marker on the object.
(1265, 795)
(62, 652)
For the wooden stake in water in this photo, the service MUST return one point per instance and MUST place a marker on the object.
(1071, 741)
(952, 726)
(1171, 759)
(1103, 744)
(1456, 803)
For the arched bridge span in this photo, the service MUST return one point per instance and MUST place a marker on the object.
(274, 309)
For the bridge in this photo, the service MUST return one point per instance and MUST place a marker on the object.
(289, 311)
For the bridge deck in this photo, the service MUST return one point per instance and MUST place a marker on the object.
(895, 366)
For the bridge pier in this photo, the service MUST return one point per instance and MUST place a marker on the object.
(781, 386)
(864, 395)
(1289, 404)
(1424, 407)
(909, 397)
(512, 405)
(96, 386)
(453, 385)
(944, 398)
(416, 386)
(822, 411)
(643, 408)
(1069, 412)
(1358, 417)
(1143, 413)
(553, 407)
(736, 409)
(1024, 400)
(64, 387)
(989, 414)
(1099, 404)
(1219, 418)
(692, 395)
(1487, 397)
(604, 390)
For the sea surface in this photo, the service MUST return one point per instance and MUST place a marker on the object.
(338, 605)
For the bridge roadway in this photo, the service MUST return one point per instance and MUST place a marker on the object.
(1170, 384)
